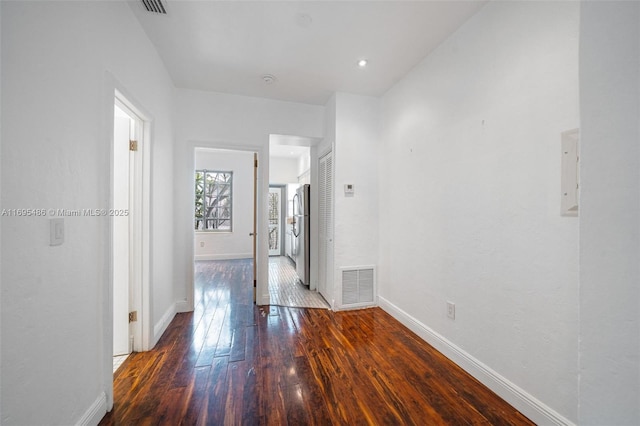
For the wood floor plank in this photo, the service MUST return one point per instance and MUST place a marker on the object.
(229, 362)
(212, 412)
(196, 394)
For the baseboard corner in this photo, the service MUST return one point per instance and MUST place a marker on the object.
(95, 412)
(164, 322)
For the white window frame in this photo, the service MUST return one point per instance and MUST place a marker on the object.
(202, 223)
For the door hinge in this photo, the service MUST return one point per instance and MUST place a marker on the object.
(133, 316)
(133, 145)
(255, 163)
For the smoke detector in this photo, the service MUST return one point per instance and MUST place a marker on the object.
(269, 79)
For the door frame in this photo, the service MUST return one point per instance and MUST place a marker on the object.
(140, 234)
(262, 243)
(283, 213)
(124, 226)
(112, 89)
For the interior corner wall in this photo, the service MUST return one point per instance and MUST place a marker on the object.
(355, 157)
(610, 213)
(59, 60)
(469, 172)
(304, 164)
(236, 244)
(329, 126)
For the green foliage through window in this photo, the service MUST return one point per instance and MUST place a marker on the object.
(213, 200)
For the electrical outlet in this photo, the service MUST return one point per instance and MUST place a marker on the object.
(201, 243)
(451, 310)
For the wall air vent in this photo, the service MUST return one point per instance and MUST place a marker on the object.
(358, 286)
(154, 6)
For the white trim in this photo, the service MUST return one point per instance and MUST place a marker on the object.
(161, 326)
(526, 403)
(95, 412)
(182, 306)
(223, 256)
(142, 238)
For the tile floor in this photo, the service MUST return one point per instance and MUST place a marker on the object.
(286, 290)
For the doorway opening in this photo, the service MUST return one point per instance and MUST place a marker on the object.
(292, 266)
(129, 241)
(225, 191)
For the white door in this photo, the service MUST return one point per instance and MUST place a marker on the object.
(275, 221)
(325, 227)
(121, 231)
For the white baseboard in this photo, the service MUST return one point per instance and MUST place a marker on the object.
(527, 404)
(95, 412)
(223, 256)
(162, 325)
(182, 306)
(264, 300)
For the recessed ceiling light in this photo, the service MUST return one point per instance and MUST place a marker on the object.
(362, 63)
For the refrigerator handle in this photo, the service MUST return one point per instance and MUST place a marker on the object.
(293, 222)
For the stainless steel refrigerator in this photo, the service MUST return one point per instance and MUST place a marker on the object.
(301, 231)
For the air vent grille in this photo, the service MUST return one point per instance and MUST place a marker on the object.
(154, 6)
(358, 286)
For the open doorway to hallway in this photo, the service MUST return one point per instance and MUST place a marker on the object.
(290, 177)
(225, 206)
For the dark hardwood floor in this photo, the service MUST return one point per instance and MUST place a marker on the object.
(230, 362)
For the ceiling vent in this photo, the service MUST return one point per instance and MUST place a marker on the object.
(154, 6)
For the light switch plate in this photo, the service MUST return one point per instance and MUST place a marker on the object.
(451, 310)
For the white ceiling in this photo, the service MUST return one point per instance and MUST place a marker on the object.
(311, 47)
(285, 151)
(291, 147)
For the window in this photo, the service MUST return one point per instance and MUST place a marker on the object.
(213, 200)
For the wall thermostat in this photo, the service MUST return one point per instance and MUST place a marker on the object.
(348, 188)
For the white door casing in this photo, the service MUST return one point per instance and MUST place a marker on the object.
(275, 221)
(121, 236)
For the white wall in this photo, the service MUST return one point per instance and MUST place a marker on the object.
(304, 165)
(610, 214)
(1, 206)
(236, 244)
(355, 156)
(59, 63)
(237, 122)
(469, 203)
(283, 170)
